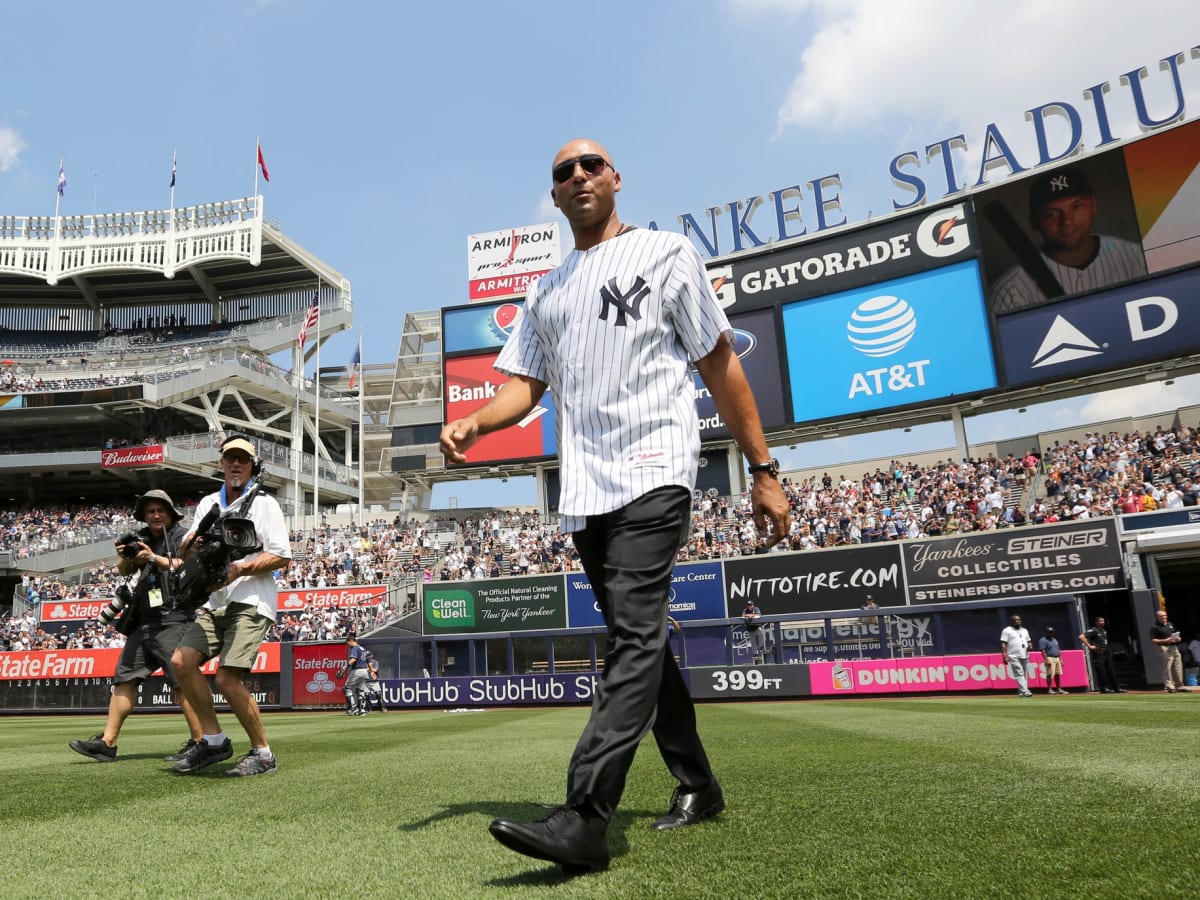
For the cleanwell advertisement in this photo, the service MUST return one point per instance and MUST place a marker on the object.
(915, 339)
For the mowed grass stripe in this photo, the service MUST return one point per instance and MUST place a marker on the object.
(1083, 796)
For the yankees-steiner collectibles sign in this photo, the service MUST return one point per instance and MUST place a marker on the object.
(1076, 557)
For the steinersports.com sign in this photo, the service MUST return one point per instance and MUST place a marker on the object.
(1074, 557)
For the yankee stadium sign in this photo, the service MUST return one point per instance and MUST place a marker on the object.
(742, 224)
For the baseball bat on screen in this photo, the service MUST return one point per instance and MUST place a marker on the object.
(1027, 255)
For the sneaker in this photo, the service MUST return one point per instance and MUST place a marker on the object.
(95, 748)
(182, 751)
(252, 764)
(203, 755)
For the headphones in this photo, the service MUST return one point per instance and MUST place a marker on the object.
(256, 462)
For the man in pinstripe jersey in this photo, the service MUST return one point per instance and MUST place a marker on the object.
(612, 333)
(1062, 209)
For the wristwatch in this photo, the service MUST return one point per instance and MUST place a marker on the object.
(771, 467)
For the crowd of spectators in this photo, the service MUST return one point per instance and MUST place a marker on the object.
(20, 379)
(1100, 475)
(35, 530)
(1116, 474)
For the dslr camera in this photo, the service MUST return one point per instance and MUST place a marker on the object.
(127, 545)
(121, 599)
(221, 538)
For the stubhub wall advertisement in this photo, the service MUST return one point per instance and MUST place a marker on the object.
(915, 339)
(697, 592)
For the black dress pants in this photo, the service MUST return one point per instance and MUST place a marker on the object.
(628, 555)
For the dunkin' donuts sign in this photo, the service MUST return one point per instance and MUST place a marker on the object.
(150, 455)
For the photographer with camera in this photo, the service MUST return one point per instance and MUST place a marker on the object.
(149, 617)
(236, 617)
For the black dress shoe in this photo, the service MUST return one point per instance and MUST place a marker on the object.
(578, 844)
(691, 807)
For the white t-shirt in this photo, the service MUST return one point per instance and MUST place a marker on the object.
(255, 590)
(1016, 641)
(614, 331)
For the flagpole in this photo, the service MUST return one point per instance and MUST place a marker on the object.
(58, 191)
(257, 150)
(317, 417)
(298, 448)
(362, 508)
(172, 253)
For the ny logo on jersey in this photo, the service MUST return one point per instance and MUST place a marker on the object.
(626, 304)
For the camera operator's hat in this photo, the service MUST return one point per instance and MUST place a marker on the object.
(1070, 181)
(239, 443)
(139, 507)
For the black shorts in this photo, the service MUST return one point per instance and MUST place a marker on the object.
(147, 649)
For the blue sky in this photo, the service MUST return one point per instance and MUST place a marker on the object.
(393, 130)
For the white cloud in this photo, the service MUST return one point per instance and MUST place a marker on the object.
(546, 210)
(870, 63)
(11, 146)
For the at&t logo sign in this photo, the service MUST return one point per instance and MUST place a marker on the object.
(881, 327)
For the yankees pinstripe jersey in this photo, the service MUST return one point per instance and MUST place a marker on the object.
(1115, 261)
(612, 331)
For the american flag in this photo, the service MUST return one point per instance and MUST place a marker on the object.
(314, 313)
(355, 360)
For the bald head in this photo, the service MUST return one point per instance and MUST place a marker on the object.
(584, 186)
(578, 147)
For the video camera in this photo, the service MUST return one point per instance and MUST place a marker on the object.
(220, 538)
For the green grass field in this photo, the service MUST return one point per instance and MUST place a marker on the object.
(1080, 796)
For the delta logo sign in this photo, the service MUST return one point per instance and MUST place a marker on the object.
(911, 340)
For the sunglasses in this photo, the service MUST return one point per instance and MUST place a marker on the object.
(591, 163)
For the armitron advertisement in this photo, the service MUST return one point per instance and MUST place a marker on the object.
(503, 263)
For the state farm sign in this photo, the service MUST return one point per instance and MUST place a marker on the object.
(340, 597)
(72, 610)
(150, 455)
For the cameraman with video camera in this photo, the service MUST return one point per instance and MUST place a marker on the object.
(236, 617)
(150, 618)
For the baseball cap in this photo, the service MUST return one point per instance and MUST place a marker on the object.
(1070, 181)
(139, 506)
(239, 443)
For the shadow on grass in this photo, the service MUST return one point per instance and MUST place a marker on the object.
(525, 811)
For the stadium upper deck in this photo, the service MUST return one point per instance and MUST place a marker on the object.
(163, 322)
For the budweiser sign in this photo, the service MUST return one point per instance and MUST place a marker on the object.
(323, 598)
(151, 455)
